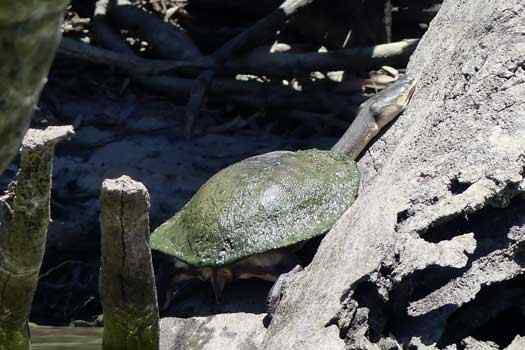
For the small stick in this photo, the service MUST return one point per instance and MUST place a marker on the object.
(197, 100)
(129, 298)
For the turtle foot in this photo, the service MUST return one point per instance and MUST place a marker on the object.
(279, 288)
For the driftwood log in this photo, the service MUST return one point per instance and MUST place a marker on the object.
(355, 59)
(29, 35)
(168, 41)
(24, 219)
(258, 63)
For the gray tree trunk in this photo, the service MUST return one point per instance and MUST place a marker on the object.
(433, 249)
(29, 36)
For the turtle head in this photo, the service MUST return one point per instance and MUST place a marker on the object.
(374, 114)
(392, 101)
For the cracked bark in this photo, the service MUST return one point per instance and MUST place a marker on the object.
(24, 219)
(129, 298)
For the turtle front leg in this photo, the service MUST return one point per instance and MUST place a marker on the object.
(173, 278)
(220, 278)
(277, 292)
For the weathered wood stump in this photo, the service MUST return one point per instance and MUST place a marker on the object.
(24, 219)
(129, 298)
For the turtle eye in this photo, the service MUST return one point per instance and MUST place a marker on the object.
(378, 107)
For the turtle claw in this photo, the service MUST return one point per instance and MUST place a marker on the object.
(217, 291)
(278, 289)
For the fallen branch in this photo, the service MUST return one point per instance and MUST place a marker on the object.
(105, 35)
(261, 31)
(245, 93)
(197, 100)
(263, 6)
(168, 40)
(132, 64)
(354, 59)
(253, 36)
(271, 64)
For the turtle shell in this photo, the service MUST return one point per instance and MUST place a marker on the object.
(261, 203)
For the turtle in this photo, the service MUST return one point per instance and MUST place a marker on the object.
(247, 220)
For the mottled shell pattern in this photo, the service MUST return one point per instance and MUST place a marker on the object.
(262, 203)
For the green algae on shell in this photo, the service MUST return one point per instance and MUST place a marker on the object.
(265, 202)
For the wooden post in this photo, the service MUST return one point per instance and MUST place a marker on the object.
(129, 298)
(24, 219)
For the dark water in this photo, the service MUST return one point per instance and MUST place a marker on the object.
(62, 338)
